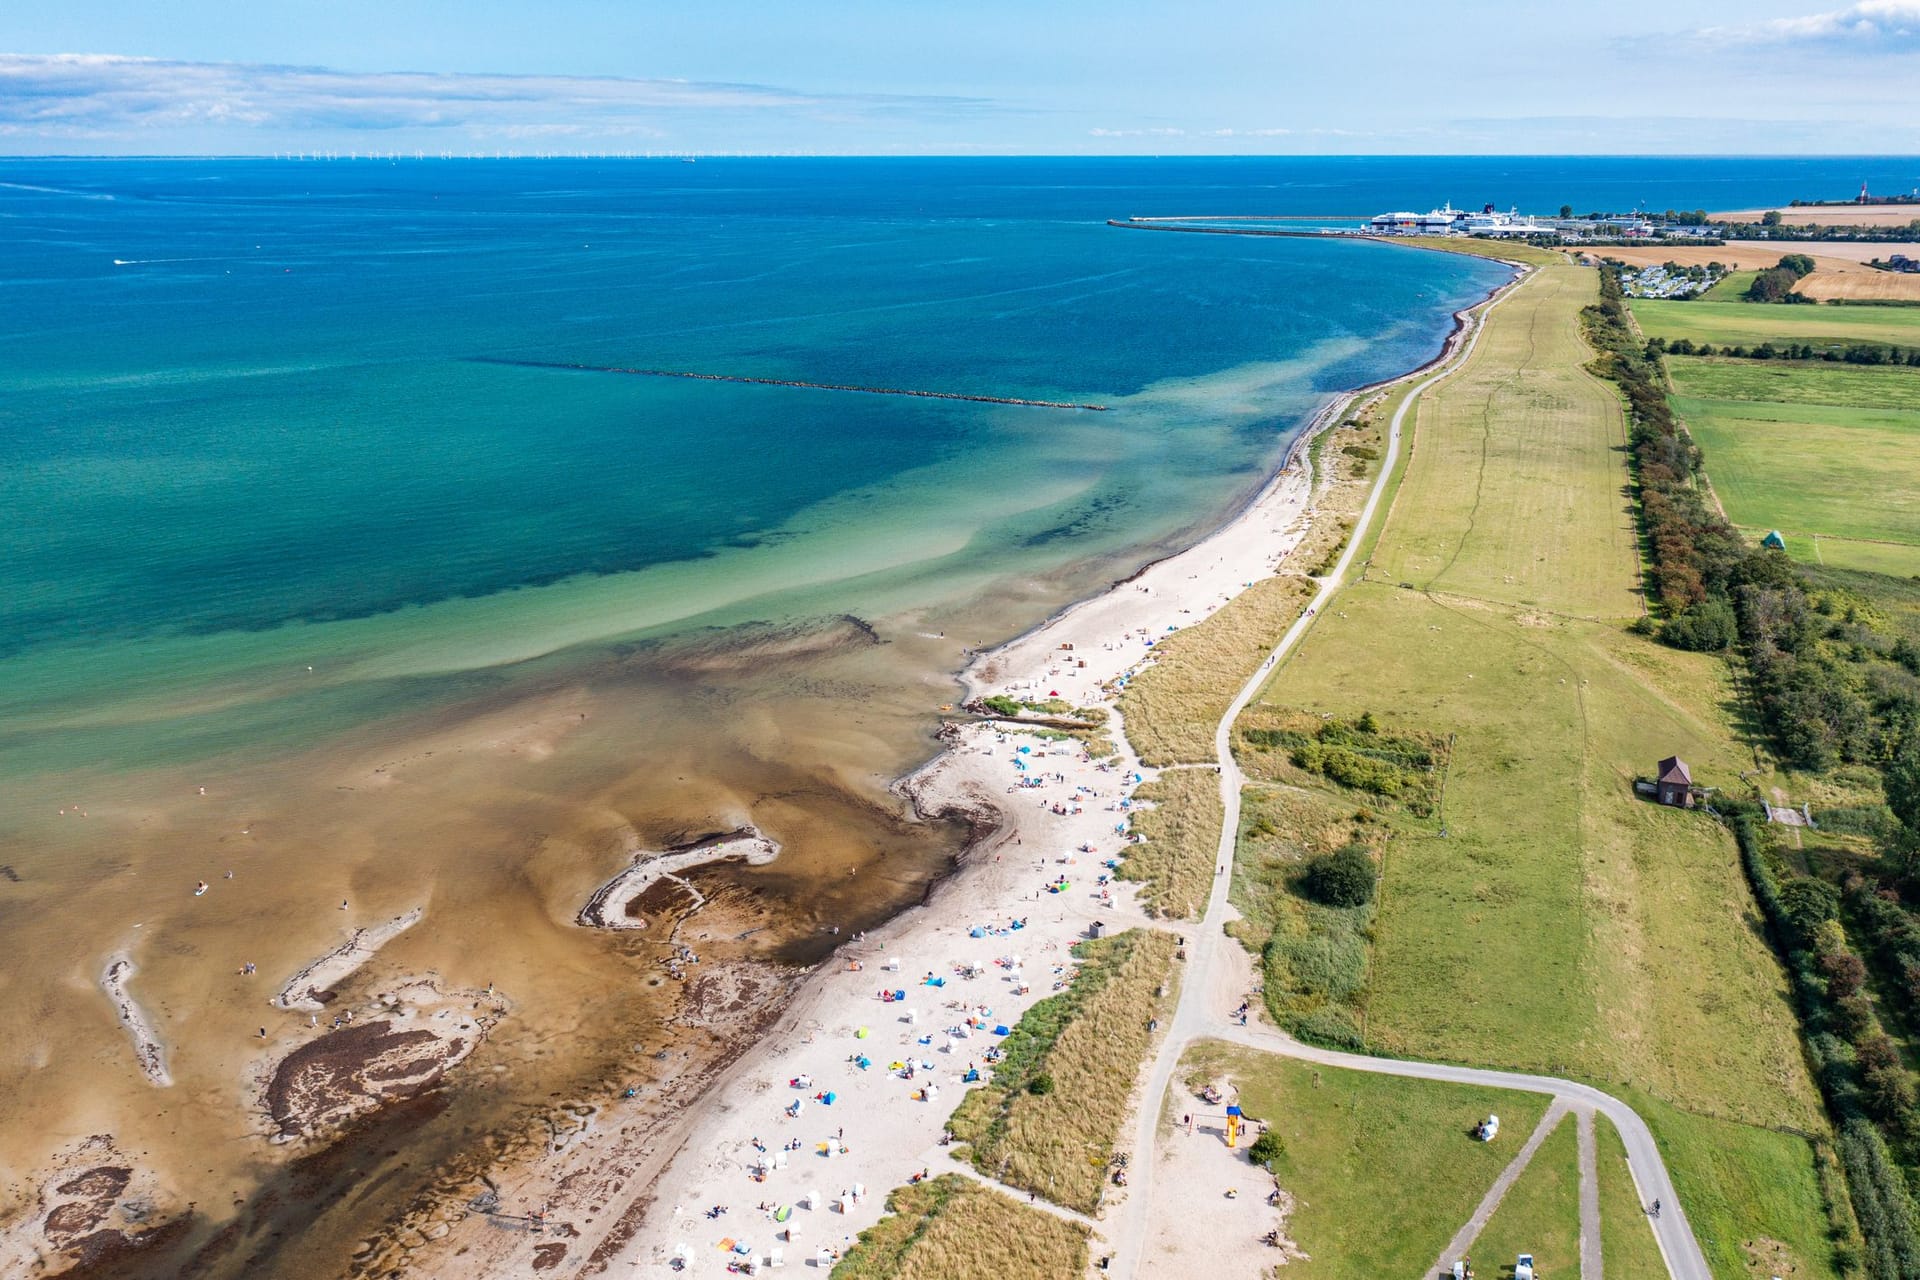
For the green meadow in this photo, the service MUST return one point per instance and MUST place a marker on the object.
(1829, 454)
(1748, 323)
(1543, 918)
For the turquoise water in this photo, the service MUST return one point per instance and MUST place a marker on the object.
(250, 423)
(252, 420)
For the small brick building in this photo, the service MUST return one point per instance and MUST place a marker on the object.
(1673, 783)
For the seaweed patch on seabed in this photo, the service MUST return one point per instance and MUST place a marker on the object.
(417, 1034)
(91, 1206)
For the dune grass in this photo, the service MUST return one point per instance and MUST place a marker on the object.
(1175, 863)
(952, 1228)
(1047, 1120)
(1382, 1169)
(1627, 1246)
(1171, 708)
(1540, 1214)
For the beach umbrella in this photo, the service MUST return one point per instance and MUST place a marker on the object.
(830, 1097)
(861, 1034)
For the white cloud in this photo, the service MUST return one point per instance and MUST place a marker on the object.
(107, 95)
(1892, 25)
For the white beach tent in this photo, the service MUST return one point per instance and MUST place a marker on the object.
(823, 1258)
(776, 1257)
(811, 1200)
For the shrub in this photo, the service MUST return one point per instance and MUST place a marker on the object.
(1266, 1149)
(1343, 878)
(1040, 1085)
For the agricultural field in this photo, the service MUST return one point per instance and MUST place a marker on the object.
(1542, 917)
(1749, 324)
(1354, 1142)
(1840, 269)
(1788, 445)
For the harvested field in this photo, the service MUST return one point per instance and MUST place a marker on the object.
(1840, 269)
(1839, 215)
(1517, 495)
(952, 1228)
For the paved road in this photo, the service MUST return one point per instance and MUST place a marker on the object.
(1203, 1012)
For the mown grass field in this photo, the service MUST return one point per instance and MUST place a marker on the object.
(1627, 1246)
(1540, 1214)
(952, 1228)
(1382, 1169)
(1518, 495)
(1792, 446)
(1086, 1044)
(1748, 323)
(1549, 920)
(1752, 1195)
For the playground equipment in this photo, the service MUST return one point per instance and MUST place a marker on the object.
(1233, 1126)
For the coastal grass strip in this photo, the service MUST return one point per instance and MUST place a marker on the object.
(1170, 708)
(952, 1228)
(1174, 864)
(1046, 1123)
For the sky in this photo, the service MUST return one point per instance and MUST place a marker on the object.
(938, 77)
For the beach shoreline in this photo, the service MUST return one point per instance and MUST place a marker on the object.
(705, 1162)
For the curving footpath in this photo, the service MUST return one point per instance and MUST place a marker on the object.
(1202, 1011)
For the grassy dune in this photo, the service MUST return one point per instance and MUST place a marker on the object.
(952, 1228)
(1548, 920)
(1175, 864)
(1357, 1142)
(1171, 708)
(1540, 1214)
(1087, 1045)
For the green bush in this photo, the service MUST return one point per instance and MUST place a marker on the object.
(1040, 1085)
(1343, 878)
(1266, 1149)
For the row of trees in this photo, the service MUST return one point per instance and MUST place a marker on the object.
(1830, 684)
(1868, 353)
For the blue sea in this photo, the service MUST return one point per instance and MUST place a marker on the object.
(336, 567)
(255, 415)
